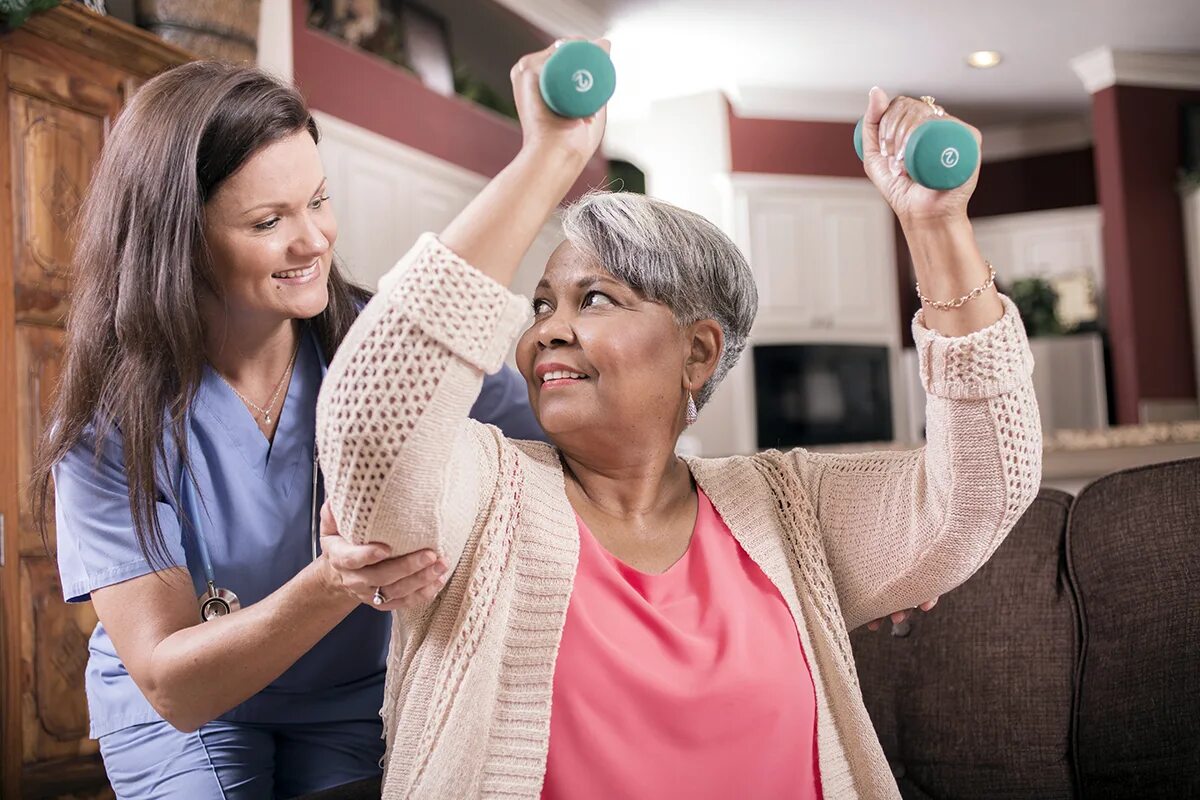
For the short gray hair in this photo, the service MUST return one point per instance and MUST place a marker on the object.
(674, 257)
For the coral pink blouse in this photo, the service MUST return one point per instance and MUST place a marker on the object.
(688, 684)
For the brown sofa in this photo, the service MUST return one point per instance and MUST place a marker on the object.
(1068, 666)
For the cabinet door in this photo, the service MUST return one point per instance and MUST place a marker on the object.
(54, 654)
(54, 635)
(56, 127)
(784, 243)
(858, 242)
(823, 255)
(39, 363)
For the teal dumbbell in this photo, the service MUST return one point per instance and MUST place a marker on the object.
(577, 79)
(941, 153)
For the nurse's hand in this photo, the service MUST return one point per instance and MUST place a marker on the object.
(407, 581)
(898, 617)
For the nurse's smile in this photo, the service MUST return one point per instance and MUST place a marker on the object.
(299, 277)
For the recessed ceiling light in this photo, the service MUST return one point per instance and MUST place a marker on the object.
(984, 59)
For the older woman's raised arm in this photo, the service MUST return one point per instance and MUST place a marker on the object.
(403, 464)
(902, 528)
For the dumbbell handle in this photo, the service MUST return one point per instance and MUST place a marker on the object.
(940, 154)
(578, 79)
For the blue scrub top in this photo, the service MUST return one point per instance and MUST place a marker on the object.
(255, 499)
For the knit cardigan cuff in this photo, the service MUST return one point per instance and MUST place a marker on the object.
(479, 328)
(984, 364)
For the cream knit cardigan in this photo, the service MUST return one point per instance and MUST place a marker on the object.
(844, 538)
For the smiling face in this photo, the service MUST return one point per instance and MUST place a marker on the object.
(600, 357)
(270, 231)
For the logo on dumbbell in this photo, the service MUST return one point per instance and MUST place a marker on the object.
(582, 80)
(949, 157)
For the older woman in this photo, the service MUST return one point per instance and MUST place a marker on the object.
(617, 621)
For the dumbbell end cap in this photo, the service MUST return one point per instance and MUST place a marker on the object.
(578, 79)
(941, 154)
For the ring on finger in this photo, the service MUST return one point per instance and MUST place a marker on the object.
(928, 100)
(378, 598)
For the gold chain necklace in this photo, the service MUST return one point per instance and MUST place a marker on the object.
(264, 412)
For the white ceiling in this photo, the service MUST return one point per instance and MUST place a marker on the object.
(665, 48)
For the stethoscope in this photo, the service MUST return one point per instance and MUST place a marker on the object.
(216, 601)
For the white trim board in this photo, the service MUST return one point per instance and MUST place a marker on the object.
(780, 102)
(1005, 142)
(560, 17)
(275, 38)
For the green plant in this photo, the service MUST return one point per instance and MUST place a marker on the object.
(468, 85)
(13, 13)
(1037, 301)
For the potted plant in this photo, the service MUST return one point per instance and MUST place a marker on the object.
(1037, 301)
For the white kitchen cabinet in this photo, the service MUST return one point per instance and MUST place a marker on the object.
(1061, 243)
(823, 255)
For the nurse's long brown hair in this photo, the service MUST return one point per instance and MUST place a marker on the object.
(135, 339)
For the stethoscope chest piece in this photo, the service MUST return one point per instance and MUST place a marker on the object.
(217, 602)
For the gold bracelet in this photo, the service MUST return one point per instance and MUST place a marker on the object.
(950, 305)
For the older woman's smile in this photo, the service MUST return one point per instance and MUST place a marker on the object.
(553, 374)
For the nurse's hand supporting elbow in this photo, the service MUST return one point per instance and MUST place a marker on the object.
(407, 581)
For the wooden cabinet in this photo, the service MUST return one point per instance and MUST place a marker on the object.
(64, 77)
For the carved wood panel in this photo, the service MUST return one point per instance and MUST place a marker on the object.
(54, 653)
(54, 149)
(39, 364)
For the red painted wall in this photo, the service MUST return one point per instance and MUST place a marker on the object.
(366, 90)
(1137, 157)
(793, 147)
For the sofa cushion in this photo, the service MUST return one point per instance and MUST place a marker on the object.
(1133, 549)
(366, 789)
(975, 701)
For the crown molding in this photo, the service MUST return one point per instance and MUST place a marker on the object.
(560, 17)
(1104, 67)
(780, 102)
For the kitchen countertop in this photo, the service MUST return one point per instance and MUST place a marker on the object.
(1074, 458)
